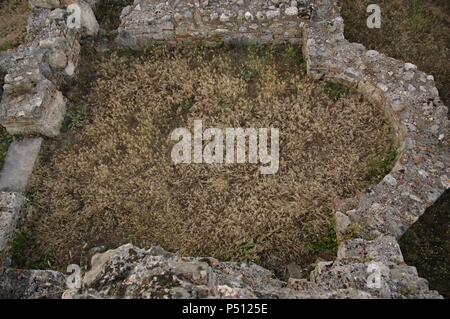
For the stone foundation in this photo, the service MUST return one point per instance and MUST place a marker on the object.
(212, 21)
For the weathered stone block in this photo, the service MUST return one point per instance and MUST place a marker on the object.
(32, 107)
(19, 164)
(88, 22)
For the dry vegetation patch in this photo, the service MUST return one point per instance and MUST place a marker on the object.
(13, 23)
(110, 179)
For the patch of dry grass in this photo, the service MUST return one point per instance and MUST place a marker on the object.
(13, 23)
(110, 179)
(416, 31)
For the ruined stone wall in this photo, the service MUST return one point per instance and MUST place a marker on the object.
(211, 21)
(31, 102)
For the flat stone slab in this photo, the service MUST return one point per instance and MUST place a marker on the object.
(19, 164)
(10, 208)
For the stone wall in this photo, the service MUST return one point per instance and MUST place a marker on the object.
(212, 21)
(411, 99)
(31, 102)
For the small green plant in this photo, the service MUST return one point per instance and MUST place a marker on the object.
(42, 264)
(71, 121)
(327, 245)
(19, 248)
(6, 46)
(335, 91)
(293, 54)
(130, 52)
(420, 20)
(250, 251)
(105, 34)
(380, 166)
(247, 73)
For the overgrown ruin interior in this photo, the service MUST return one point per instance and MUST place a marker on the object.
(363, 153)
(110, 180)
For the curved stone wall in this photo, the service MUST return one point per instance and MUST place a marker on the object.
(411, 99)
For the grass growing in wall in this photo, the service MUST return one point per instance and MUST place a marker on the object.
(6, 46)
(327, 245)
(381, 165)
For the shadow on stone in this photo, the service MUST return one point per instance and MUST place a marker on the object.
(2, 82)
(108, 13)
(426, 245)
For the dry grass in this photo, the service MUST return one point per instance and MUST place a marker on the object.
(13, 23)
(416, 31)
(110, 179)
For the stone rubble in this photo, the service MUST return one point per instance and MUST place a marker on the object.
(131, 272)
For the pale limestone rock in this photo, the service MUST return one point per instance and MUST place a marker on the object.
(291, 11)
(48, 4)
